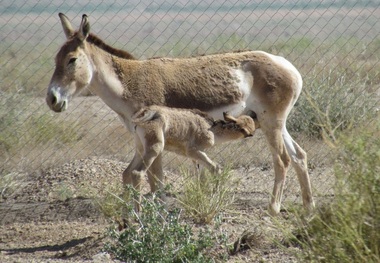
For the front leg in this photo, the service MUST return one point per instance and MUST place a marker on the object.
(152, 141)
(141, 169)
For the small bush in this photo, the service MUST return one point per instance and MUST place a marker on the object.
(330, 104)
(157, 235)
(208, 194)
(348, 229)
(10, 182)
(110, 205)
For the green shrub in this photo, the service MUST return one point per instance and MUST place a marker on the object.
(157, 235)
(348, 229)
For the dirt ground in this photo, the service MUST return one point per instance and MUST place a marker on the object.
(47, 215)
(48, 219)
(41, 222)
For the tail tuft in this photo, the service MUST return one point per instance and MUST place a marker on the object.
(144, 115)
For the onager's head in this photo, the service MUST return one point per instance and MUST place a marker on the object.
(235, 128)
(73, 70)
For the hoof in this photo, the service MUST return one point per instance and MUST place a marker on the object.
(273, 209)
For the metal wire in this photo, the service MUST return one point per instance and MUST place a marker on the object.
(30, 34)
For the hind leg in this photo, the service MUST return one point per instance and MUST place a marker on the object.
(299, 161)
(146, 154)
(281, 164)
(156, 178)
(152, 150)
(137, 158)
(202, 157)
(156, 174)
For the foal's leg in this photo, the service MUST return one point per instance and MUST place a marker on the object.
(202, 157)
(128, 176)
(146, 154)
(153, 144)
(196, 167)
(281, 163)
(137, 158)
(153, 148)
(156, 178)
(299, 162)
(156, 174)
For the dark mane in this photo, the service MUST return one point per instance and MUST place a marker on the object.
(93, 39)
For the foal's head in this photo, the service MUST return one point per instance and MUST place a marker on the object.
(232, 128)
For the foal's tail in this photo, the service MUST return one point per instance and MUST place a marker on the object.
(144, 115)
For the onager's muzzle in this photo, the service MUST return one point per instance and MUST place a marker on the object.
(56, 101)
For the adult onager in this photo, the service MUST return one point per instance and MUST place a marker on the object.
(237, 83)
(183, 131)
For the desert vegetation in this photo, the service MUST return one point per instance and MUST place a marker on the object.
(76, 159)
(347, 229)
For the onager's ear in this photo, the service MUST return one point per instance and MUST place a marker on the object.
(67, 28)
(84, 28)
(228, 117)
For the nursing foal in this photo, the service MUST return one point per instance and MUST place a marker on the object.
(185, 132)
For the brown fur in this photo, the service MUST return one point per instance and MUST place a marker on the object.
(161, 85)
(249, 82)
(156, 81)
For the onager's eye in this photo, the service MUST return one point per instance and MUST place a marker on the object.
(72, 61)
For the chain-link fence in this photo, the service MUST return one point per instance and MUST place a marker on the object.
(334, 44)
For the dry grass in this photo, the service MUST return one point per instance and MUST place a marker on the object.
(205, 195)
(34, 138)
(347, 228)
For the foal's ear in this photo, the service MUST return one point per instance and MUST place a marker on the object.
(67, 28)
(84, 28)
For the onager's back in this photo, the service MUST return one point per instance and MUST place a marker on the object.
(183, 131)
